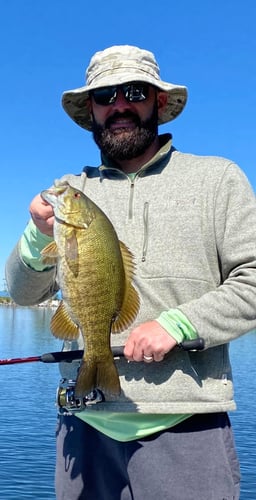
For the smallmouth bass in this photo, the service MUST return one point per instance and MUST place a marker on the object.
(94, 272)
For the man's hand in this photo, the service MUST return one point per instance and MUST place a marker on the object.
(148, 342)
(42, 215)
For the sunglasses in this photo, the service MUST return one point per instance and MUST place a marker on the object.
(133, 92)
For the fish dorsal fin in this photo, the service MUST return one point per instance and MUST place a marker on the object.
(49, 254)
(62, 326)
(131, 301)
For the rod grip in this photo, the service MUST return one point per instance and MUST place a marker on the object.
(57, 357)
(192, 345)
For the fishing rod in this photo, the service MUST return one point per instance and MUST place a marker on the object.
(69, 356)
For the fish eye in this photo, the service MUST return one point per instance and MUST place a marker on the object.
(77, 195)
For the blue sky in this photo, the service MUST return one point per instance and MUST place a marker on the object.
(45, 47)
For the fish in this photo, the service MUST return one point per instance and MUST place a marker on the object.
(95, 273)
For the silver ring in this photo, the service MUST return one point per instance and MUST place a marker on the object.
(148, 358)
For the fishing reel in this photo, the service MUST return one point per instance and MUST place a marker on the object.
(66, 399)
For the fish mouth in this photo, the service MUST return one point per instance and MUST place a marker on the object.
(54, 191)
(50, 195)
(62, 214)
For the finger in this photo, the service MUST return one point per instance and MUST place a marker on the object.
(128, 350)
(158, 357)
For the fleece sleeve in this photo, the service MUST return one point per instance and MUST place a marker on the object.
(31, 244)
(30, 282)
(229, 311)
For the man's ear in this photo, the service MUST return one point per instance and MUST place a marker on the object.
(161, 102)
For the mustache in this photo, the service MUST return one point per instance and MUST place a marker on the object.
(126, 114)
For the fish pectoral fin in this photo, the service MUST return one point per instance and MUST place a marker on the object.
(71, 246)
(49, 254)
(62, 326)
(131, 302)
(71, 253)
(98, 374)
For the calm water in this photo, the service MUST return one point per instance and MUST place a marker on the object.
(27, 400)
(28, 412)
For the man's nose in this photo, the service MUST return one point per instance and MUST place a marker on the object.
(121, 103)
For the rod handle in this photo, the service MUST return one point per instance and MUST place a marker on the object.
(192, 345)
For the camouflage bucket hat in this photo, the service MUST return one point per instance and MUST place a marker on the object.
(117, 65)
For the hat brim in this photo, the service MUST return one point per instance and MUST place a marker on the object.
(75, 102)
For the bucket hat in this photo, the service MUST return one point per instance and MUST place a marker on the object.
(117, 65)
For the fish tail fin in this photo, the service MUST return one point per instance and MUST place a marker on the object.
(94, 374)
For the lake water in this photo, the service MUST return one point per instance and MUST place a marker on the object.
(28, 412)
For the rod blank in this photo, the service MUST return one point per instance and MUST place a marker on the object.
(68, 356)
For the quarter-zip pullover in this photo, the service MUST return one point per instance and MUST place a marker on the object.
(190, 222)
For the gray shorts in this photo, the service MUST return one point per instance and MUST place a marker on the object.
(195, 460)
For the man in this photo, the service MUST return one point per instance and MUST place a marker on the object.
(190, 223)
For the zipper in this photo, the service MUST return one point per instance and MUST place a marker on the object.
(145, 214)
(131, 197)
(145, 224)
(145, 218)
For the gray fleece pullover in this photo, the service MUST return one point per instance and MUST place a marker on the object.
(190, 222)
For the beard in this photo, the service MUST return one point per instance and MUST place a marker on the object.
(130, 143)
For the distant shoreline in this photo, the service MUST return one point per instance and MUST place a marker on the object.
(7, 301)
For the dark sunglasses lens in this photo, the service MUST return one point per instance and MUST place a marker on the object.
(133, 92)
(136, 92)
(104, 96)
